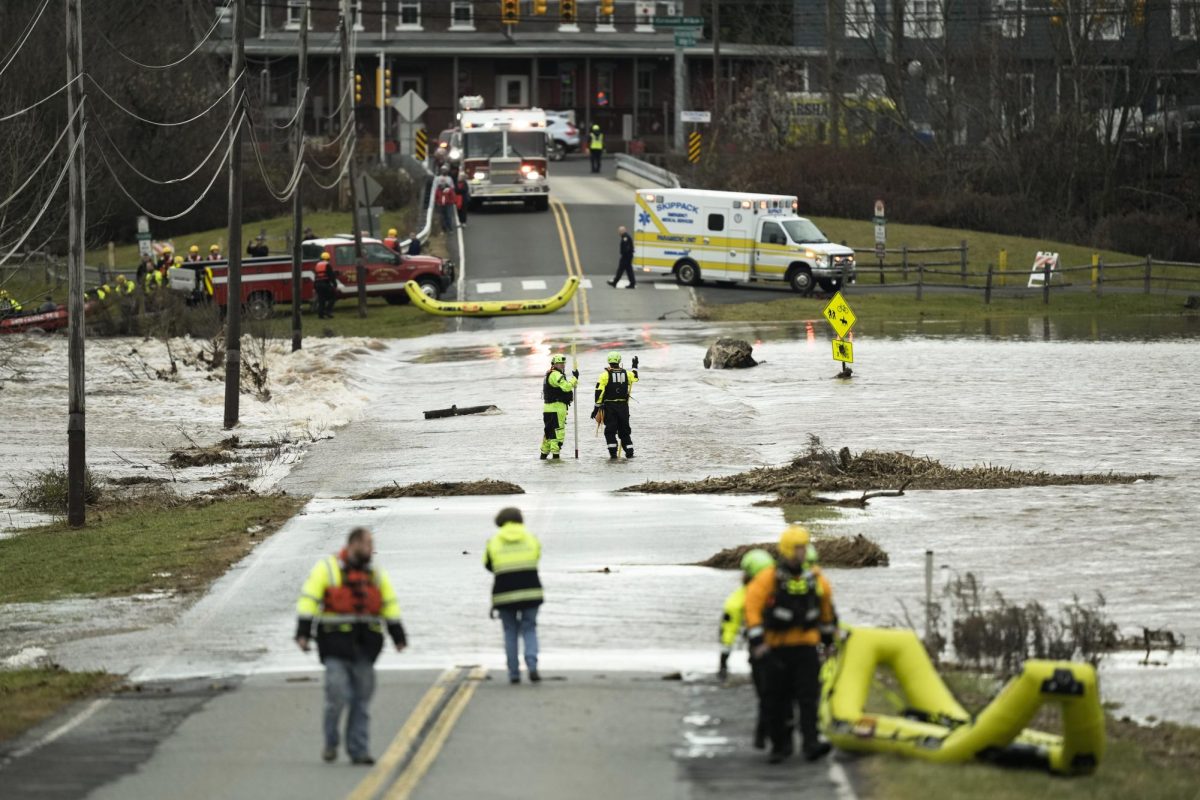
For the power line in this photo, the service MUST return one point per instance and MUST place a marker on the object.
(140, 118)
(44, 160)
(49, 197)
(50, 96)
(24, 37)
(192, 52)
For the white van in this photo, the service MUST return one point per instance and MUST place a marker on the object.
(696, 234)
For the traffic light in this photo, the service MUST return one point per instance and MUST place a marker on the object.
(383, 86)
(539, 6)
(510, 11)
(606, 7)
(358, 95)
(566, 10)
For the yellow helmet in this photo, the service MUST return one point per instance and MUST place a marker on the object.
(178, 260)
(325, 256)
(194, 248)
(392, 232)
(216, 248)
(120, 279)
(793, 542)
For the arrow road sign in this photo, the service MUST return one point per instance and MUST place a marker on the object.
(410, 105)
(838, 314)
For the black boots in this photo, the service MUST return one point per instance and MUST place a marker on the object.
(629, 452)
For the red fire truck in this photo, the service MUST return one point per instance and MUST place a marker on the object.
(504, 155)
(267, 281)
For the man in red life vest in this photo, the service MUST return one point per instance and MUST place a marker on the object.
(349, 602)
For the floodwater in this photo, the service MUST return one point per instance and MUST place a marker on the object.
(1073, 405)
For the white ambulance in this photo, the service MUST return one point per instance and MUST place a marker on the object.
(697, 234)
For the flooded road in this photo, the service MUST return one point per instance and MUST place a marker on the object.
(1064, 406)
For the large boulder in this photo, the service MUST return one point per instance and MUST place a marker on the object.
(729, 354)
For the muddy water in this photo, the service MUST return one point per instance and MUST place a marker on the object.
(1056, 405)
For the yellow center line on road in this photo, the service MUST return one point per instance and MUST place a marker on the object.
(566, 237)
(404, 786)
(402, 744)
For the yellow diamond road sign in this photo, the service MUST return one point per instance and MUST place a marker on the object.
(843, 351)
(839, 315)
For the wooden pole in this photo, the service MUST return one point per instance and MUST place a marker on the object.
(1146, 276)
(233, 302)
(360, 269)
(716, 68)
(297, 198)
(987, 290)
(76, 428)
(1046, 283)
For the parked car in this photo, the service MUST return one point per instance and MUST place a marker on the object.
(562, 135)
(387, 270)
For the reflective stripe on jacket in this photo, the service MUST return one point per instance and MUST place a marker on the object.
(760, 593)
(512, 555)
(341, 635)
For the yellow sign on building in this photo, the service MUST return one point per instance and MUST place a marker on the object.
(838, 314)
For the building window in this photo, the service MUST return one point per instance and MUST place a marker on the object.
(860, 19)
(603, 97)
(408, 15)
(462, 15)
(1106, 21)
(1017, 103)
(1185, 19)
(1012, 18)
(566, 89)
(645, 88)
(295, 8)
(358, 15)
(512, 91)
(924, 20)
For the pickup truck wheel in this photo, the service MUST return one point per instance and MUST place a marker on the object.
(259, 306)
(396, 299)
(558, 150)
(430, 287)
(687, 273)
(801, 280)
(830, 285)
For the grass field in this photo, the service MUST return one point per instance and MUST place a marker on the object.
(139, 549)
(1159, 763)
(28, 696)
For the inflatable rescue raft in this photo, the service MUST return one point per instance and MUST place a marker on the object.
(934, 727)
(491, 308)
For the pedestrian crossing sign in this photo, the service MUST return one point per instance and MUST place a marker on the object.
(843, 351)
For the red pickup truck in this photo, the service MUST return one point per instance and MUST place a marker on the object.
(267, 281)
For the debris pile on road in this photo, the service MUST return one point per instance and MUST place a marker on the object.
(730, 354)
(834, 551)
(197, 456)
(822, 469)
(441, 489)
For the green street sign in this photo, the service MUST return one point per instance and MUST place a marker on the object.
(677, 22)
(685, 39)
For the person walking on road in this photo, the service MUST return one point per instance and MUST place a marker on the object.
(733, 626)
(789, 612)
(512, 555)
(349, 602)
(325, 283)
(462, 196)
(444, 198)
(612, 403)
(625, 260)
(558, 391)
(595, 146)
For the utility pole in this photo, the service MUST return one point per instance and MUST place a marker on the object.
(233, 304)
(360, 269)
(831, 76)
(76, 430)
(680, 91)
(297, 197)
(716, 69)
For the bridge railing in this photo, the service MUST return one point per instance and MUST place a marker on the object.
(638, 173)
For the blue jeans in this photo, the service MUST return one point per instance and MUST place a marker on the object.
(522, 623)
(349, 683)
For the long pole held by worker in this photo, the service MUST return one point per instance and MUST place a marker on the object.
(575, 366)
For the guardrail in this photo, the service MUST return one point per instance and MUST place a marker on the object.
(419, 170)
(644, 173)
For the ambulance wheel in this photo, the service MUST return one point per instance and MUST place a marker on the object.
(396, 299)
(830, 285)
(687, 273)
(429, 287)
(259, 306)
(801, 280)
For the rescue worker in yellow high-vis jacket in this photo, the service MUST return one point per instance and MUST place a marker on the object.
(613, 390)
(349, 602)
(512, 555)
(558, 391)
(733, 625)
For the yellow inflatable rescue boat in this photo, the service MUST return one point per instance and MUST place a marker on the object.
(935, 727)
(491, 308)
